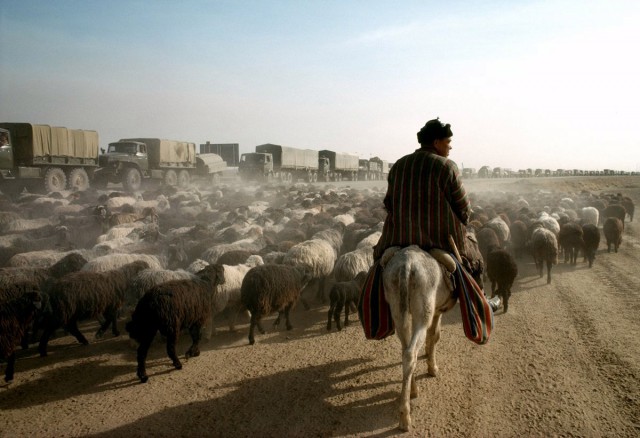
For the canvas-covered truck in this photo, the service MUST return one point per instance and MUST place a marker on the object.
(382, 168)
(272, 161)
(132, 160)
(49, 157)
(336, 166)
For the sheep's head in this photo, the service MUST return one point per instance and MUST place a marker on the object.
(70, 263)
(213, 274)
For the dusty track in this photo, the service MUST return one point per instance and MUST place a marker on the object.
(564, 361)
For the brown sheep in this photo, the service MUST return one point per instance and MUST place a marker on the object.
(612, 230)
(81, 295)
(544, 246)
(271, 288)
(170, 307)
(614, 210)
(591, 237)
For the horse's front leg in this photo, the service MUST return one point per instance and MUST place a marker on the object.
(433, 336)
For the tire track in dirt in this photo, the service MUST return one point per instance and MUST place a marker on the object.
(615, 288)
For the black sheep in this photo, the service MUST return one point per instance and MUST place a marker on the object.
(81, 295)
(591, 237)
(612, 230)
(170, 307)
(518, 230)
(571, 241)
(43, 277)
(502, 270)
(15, 316)
(270, 288)
(344, 294)
(70, 263)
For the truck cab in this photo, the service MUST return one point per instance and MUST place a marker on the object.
(122, 152)
(124, 161)
(255, 165)
(6, 153)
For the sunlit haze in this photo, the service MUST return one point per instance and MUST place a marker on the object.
(524, 84)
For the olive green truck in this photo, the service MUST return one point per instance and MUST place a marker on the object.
(132, 161)
(46, 157)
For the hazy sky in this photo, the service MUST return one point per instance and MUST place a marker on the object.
(551, 84)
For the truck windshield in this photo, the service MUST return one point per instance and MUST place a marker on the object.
(124, 148)
(4, 138)
(252, 158)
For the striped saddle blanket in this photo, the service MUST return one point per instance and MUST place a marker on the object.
(375, 313)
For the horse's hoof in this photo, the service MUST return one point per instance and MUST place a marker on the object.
(433, 371)
(405, 423)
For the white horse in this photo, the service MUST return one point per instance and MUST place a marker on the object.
(418, 295)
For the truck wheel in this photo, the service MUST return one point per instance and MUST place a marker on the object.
(171, 178)
(55, 180)
(132, 180)
(78, 179)
(183, 179)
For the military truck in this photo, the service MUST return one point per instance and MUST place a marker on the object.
(42, 156)
(382, 170)
(272, 161)
(335, 166)
(134, 160)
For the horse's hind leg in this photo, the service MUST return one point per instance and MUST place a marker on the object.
(433, 336)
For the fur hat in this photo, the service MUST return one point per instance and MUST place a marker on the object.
(434, 130)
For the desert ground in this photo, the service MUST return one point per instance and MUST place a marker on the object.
(564, 361)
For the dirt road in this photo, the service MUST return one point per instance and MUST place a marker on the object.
(564, 361)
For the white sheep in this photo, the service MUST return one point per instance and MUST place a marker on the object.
(501, 228)
(590, 215)
(350, 264)
(317, 257)
(110, 262)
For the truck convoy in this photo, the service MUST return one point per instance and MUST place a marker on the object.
(287, 164)
(132, 160)
(43, 156)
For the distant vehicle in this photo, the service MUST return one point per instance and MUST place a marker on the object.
(384, 168)
(336, 166)
(469, 172)
(272, 161)
(134, 160)
(485, 172)
(42, 156)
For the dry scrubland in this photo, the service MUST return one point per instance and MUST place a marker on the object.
(564, 361)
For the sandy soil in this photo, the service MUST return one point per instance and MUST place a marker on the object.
(564, 361)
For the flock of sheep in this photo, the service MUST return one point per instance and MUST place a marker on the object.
(168, 260)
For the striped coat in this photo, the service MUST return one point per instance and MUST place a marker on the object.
(425, 203)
